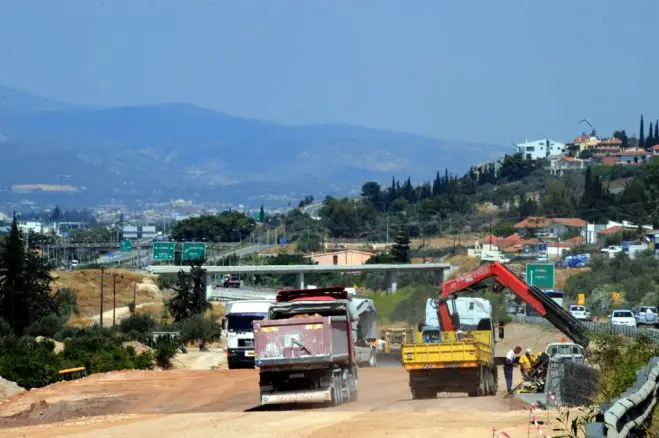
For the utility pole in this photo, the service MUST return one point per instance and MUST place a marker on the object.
(102, 284)
(114, 296)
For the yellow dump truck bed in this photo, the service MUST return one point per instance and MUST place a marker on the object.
(474, 350)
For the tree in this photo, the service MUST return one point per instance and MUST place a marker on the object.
(622, 136)
(261, 214)
(190, 298)
(401, 248)
(656, 132)
(371, 191)
(641, 134)
(24, 283)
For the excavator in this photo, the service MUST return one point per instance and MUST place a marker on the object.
(463, 360)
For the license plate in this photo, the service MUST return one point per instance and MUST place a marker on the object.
(249, 353)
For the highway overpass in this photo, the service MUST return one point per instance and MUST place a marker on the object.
(391, 270)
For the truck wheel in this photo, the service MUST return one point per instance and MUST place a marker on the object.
(231, 365)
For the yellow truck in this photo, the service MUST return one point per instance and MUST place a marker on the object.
(451, 361)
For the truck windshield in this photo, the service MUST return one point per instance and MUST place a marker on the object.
(242, 323)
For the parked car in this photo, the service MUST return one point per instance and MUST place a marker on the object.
(565, 349)
(646, 315)
(611, 250)
(580, 312)
(623, 318)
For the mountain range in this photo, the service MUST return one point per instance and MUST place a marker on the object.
(54, 152)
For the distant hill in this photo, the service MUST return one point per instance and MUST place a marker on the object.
(160, 152)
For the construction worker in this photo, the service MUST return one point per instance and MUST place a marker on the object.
(526, 363)
(512, 360)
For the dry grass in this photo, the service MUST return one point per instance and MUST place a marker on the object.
(563, 274)
(463, 264)
(87, 285)
(466, 239)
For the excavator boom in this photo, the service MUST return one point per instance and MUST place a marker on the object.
(531, 295)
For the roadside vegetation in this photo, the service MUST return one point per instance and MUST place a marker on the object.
(36, 342)
(636, 280)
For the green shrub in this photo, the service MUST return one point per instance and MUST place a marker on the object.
(66, 302)
(199, 327)
(99, 350)
(144, 361)
(47, 326)
(165, 350)
(29, 363)
(137, 326)
(619, 360)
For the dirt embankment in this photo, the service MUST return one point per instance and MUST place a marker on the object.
(87, 285)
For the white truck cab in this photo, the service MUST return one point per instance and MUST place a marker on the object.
(237, 325)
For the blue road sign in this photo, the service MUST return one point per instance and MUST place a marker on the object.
(283, 240)
(65, 235)
(110, 254)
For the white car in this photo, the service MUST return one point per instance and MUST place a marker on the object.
(580, 312)
(622, 317)
(612, 250)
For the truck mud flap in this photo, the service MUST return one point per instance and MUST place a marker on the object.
(314, 396)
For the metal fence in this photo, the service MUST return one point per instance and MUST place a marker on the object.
(571, 383)
(631, 414)
(598, 327)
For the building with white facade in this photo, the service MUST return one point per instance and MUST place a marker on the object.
(540, 149)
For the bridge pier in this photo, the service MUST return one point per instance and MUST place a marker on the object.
(391, 279)
(439, 276)
(299, 280)
(210, 280)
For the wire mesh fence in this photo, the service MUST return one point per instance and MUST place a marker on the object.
(572, 384)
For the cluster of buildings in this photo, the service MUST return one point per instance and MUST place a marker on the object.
(563, 234)
(564, 157)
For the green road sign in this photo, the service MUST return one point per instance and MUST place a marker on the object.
(126, 246)
(163, 250)
(193, 251)
(540, 275)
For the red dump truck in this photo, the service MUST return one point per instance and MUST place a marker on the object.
(305, 350)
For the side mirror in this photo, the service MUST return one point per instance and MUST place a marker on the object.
(224, 324)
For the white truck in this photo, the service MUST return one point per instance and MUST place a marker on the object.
(365, 331)
(239, 332)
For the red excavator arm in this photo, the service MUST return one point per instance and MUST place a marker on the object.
(531, 295)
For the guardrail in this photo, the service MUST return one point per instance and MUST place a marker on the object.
(631, 413)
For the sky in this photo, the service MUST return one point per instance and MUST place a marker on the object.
(488, 71)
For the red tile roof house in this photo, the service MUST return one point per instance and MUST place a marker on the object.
(551, 228)
(654, 150)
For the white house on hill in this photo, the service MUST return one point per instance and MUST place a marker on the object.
(540, 149)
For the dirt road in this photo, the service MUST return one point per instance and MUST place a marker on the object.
(225, 403)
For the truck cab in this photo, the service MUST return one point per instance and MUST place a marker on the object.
(237, 324)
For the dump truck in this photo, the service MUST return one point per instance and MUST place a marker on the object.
(305, 350)
(237, 327)
(461, 357)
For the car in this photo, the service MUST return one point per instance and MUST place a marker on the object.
(568, 350)
(622, 318)
(646, 315)
(612, 250)
(580, 312)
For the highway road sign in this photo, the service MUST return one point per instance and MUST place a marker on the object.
(163, 250)
(540, 275)
(126, 246)
(193, 251)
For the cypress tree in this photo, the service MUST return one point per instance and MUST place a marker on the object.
(649, 141)
(261, 214)
(641, 134)
(401, 248)
(656, 132)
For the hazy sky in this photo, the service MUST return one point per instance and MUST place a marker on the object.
(486, 70)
